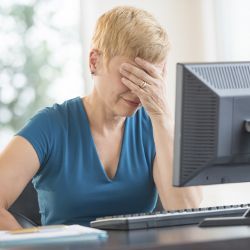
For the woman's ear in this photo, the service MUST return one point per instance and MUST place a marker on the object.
(94, 61)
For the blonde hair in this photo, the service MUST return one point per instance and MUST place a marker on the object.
(130, 32)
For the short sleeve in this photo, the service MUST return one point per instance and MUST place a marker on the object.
(39, 132)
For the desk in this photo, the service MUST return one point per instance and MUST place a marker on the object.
(174, 238)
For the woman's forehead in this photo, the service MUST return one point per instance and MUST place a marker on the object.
(124, 59)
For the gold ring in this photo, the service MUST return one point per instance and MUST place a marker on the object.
(143, 84)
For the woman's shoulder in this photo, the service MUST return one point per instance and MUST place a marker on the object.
(143, 116)
(141, 121)
(57, 116)
(143, 130)
(61, 111)
(64, 107)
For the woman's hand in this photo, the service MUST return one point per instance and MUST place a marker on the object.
(148, 83)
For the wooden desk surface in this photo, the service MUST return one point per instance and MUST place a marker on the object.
(172, 238)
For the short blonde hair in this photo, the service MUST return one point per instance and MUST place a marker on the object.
(130, 32)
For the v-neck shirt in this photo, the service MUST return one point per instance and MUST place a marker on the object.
(72, 185)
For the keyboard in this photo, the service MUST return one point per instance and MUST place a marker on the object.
(167, 218)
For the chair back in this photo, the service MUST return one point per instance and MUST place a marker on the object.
(25, 209)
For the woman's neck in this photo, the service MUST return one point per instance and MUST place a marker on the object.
(101, 118)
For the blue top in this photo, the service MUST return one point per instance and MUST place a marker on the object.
(72, 185)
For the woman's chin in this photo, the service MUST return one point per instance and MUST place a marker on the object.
(129, 111)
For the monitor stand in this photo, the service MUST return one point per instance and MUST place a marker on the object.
(227, 221)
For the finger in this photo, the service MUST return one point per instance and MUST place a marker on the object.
(133, 78)
(133, 87)
(150, 68)
(135, 74)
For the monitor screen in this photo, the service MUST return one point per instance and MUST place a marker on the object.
(212, 123)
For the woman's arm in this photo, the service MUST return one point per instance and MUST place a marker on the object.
(7, 221)
(18, 164)
(147, 81)
(171, 197)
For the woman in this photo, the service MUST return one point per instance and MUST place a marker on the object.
(108, 152)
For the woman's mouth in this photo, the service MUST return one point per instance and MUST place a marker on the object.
(132, 103)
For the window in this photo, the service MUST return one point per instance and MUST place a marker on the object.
(41, 58)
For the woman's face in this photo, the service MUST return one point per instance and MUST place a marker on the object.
(114, 94)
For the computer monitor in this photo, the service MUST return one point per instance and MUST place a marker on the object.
(212, 123)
